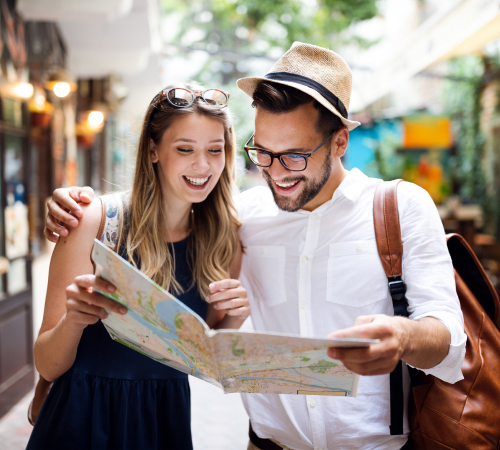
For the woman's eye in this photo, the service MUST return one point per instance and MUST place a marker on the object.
(184, 150)
(215, 150)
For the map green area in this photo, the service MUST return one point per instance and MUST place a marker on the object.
(162, 328)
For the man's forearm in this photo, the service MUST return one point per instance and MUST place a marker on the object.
(427, 341)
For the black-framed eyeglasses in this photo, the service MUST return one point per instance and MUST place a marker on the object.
(290, 161)
(182, 97)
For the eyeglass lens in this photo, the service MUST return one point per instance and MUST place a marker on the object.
(291, 161)
(215, 97)
(180, 97)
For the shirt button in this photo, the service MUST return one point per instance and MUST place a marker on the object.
(312, 403)
(359, 247)
(314, 216)
(303, 305)
(303, 258)
(262, 251)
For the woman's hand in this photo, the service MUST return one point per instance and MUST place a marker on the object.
(85, 307)
(231, 297)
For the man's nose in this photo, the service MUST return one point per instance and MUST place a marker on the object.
(277, 171)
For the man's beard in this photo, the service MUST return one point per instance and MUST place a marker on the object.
(310, 190)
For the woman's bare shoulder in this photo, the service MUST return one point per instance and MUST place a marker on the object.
(88, 226)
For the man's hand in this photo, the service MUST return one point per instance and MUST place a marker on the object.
(64, 210)
(423, 343)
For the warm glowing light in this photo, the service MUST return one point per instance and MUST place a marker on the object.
(62, 89)
(23, 90)
(96, 118)
(39, 101)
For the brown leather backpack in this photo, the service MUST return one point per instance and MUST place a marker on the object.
(464, 415)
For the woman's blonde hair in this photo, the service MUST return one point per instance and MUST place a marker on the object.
(213, 241)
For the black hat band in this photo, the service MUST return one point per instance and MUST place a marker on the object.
(319, 88)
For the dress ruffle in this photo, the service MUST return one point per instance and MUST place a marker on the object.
(90, 412)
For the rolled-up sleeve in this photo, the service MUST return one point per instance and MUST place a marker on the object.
(429, 276)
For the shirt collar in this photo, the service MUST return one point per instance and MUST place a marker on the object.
(351, 187)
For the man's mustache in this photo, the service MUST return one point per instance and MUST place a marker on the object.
(284, 180)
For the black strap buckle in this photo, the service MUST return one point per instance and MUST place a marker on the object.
(397, 287)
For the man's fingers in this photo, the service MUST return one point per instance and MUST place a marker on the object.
(54, 226)
(372, 330)
(379, 367)
(223, 284)
(361, 320)
(67, 198)
(81, 194)
(356, 355)
(87, 194)
(50, 236)
(60, 214)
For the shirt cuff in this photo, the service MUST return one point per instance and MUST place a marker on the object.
(450, 368)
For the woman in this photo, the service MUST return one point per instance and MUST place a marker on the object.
(179, 226)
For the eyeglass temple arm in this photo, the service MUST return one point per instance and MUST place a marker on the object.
(323, 143)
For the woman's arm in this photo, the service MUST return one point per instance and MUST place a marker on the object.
(228, 303)
(70, 304)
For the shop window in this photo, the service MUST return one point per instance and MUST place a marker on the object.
(16, 210)
(12, 112)
(16, 276)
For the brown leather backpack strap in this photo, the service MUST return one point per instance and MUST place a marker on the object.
(390, 249)
(389, 243)
(387, 229)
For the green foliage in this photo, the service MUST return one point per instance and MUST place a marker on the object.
(259, 25)
(462, 103)
(387, 164)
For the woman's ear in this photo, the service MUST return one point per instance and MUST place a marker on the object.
(153, 151)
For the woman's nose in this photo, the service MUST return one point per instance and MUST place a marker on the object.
(201, 163)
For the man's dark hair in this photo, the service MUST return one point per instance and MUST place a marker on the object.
(280, 98)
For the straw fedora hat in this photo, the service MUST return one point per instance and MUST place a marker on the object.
(318, 72)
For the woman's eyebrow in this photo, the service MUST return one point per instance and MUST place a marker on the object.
(184, 140)
(194, 142)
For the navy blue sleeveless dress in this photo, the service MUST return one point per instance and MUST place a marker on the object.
(116, 398)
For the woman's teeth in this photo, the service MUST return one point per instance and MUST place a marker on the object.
(286, 185)
(197, 181)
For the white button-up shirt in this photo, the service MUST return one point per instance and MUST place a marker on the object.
(312, 273)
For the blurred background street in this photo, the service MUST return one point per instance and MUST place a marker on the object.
(76, 78)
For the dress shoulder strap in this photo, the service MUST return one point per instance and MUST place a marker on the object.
(110, 221)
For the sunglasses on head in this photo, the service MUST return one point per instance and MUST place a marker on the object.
(182, 97)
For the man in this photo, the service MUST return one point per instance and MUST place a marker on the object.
(311, 265)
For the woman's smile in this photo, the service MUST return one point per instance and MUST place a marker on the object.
(197, 183)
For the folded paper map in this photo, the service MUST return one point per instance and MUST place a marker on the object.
(164, 329)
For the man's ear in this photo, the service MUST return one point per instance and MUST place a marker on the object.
(341, 140)
(153, 151)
